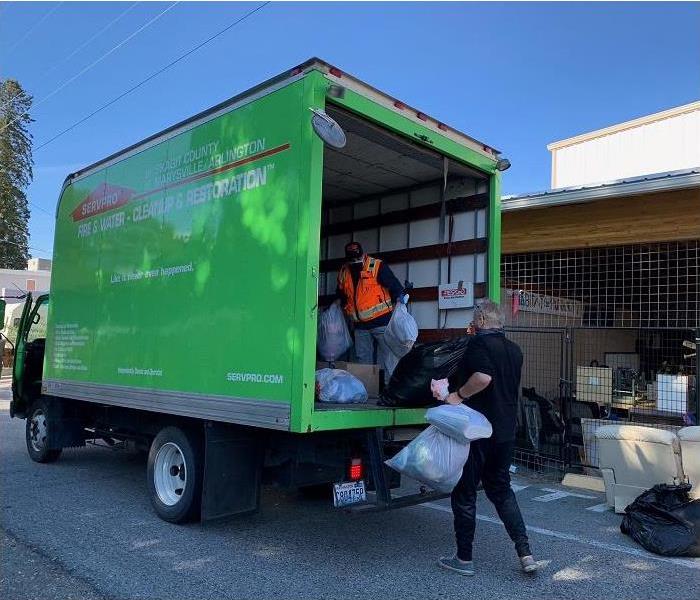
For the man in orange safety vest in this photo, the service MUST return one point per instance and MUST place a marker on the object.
(368, 291)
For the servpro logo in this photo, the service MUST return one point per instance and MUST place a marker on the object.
(106, 197)
(270, 378)
(450, 294)
(103, 198)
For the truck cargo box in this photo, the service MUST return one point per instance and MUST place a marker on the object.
(189, 269)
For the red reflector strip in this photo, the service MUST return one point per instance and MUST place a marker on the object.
(336, 71)
(422, 116)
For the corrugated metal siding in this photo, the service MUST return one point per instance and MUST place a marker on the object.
(666, 145)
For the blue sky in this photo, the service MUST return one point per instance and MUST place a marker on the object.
(516, 76)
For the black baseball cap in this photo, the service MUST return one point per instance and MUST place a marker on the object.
(353, 250)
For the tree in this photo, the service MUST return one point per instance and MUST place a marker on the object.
(15, 174)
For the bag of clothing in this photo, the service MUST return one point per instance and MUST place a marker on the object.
(461, 423)
(333, 335)
(409, 385)
(432, 458)
(339, 387)
(665, 521)
(401, 332)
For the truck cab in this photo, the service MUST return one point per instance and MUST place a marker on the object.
(29, 354)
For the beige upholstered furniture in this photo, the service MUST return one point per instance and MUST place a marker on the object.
(634, 458)
(690, 451)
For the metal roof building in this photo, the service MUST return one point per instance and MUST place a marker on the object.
(601, 280)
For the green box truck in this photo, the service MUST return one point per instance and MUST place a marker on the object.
(189, 270)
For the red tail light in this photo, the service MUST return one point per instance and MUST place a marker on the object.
(356, 470)
(336, 72)
(398, 104)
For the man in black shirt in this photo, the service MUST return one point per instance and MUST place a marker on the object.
(488, 381)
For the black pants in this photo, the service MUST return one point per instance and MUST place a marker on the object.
(488, 462)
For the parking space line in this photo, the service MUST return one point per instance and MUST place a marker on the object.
(688, 563)
(599, 507)
(558, 494)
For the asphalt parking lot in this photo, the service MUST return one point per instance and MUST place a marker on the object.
(83, 528)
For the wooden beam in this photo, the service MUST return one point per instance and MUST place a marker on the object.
(431, 336)
(427, 294)
(419, 294)
(378, 196)
(659, 217)
(417, 213)
(473, 246)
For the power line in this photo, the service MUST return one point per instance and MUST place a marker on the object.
(154, 74)
(91, 39)
(29, 247)
(92, 64)
(29, 31)
(41, 208)
(79, 48)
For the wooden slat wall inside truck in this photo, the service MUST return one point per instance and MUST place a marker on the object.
(424, 233)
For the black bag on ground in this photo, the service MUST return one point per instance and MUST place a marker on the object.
(665, 521)
(409, 385)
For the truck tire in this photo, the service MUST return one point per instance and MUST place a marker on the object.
(175, 472)
(41, 421)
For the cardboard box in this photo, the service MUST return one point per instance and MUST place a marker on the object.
(369, 375)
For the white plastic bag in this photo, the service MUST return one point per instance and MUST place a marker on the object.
(333, 335)
(401, 332)
(440, 389)
(433, 458)
(461, 423)
(340, 387)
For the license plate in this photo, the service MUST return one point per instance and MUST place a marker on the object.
(347, 493)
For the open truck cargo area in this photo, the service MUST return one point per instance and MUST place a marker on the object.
(190, 268)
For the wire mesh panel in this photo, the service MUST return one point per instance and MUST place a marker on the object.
(629, 376)
(541, 428)
(639, 285)
(630, 316)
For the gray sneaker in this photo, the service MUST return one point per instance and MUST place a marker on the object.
(528, 564)
(456, 565)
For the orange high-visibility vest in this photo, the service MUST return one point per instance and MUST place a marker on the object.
(370, 300)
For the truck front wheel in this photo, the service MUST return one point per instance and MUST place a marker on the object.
(40, 423)
(175, 470)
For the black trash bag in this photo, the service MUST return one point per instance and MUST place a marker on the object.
(665, 521)
(409, 385)
(552, 423)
